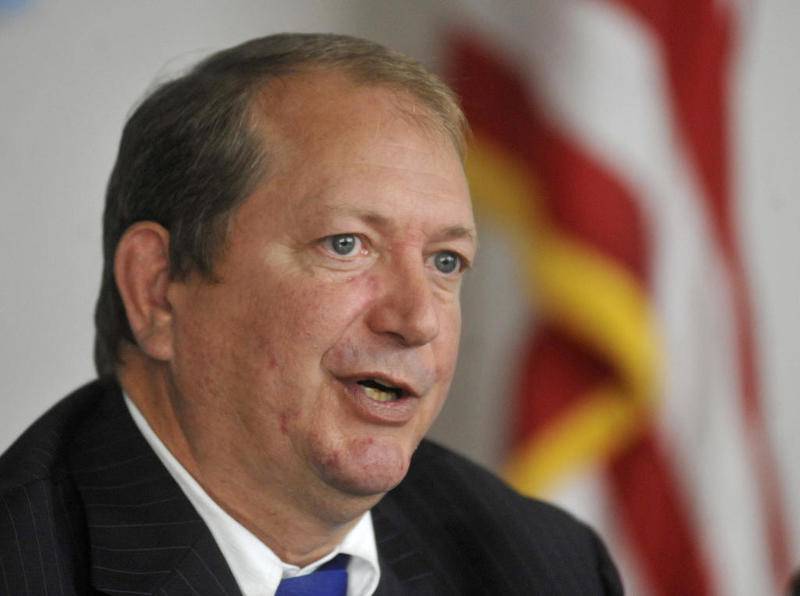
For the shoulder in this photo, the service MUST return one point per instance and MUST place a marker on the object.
(454, 482)
(491, 531)
(42, 531)
(41, 453)
(456, 486)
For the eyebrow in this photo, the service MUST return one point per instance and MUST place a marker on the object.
(456, 232)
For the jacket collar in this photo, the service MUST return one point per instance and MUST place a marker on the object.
(144, 534)
(404, 568)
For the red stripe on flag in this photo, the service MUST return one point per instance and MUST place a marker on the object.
(697, 40)
(555, 371)
(579, 196)
(506, 115)
(590, 203)
(653, 513)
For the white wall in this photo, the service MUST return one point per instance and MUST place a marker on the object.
(70, 72)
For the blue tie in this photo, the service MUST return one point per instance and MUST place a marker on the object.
(329, 579)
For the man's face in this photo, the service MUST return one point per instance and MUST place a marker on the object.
(326, 347)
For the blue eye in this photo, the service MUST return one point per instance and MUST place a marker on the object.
(447, 262)
(344, 245)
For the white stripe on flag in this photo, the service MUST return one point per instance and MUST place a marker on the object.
(599, 76)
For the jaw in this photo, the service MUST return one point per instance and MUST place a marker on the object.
(365, 466)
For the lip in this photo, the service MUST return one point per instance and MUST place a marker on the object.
(393, 413)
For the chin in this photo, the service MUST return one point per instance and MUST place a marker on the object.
(366, 467)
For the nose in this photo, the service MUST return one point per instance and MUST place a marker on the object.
(406, 307)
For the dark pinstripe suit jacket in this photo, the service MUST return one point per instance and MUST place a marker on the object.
(88, 508)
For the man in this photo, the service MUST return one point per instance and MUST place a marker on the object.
(285, 233)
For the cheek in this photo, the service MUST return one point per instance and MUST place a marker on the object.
(324, 309)
(448, 340)
(277, 317)
(292, 324)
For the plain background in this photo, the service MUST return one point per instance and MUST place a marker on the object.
(71, 71)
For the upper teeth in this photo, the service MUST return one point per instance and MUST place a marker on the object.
(379, 395)
(378, 391)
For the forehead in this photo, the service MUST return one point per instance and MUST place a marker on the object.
(315, 94)
(325, 134)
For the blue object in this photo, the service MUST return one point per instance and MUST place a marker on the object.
(329, 579)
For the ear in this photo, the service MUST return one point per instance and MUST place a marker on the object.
(141, 270)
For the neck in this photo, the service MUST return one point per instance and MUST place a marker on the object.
(300, 527)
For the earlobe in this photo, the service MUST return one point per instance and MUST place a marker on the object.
(141, 271)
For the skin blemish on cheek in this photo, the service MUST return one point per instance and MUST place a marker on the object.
(332, 461)
(285, 418)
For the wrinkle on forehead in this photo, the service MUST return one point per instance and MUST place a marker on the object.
(285, 106)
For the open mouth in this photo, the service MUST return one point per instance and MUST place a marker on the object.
(381, 392)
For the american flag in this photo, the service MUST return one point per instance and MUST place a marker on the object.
(602, 147)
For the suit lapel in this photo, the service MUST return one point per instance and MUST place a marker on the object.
(145, 536)
(404, 567)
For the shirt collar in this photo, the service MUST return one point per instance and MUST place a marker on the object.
(255, 567)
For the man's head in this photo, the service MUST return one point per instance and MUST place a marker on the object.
(190, 152)
(292, 292)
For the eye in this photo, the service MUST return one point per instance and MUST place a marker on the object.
(343, 245)
(447, 262)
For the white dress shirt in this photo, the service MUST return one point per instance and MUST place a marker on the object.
(258, 570)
